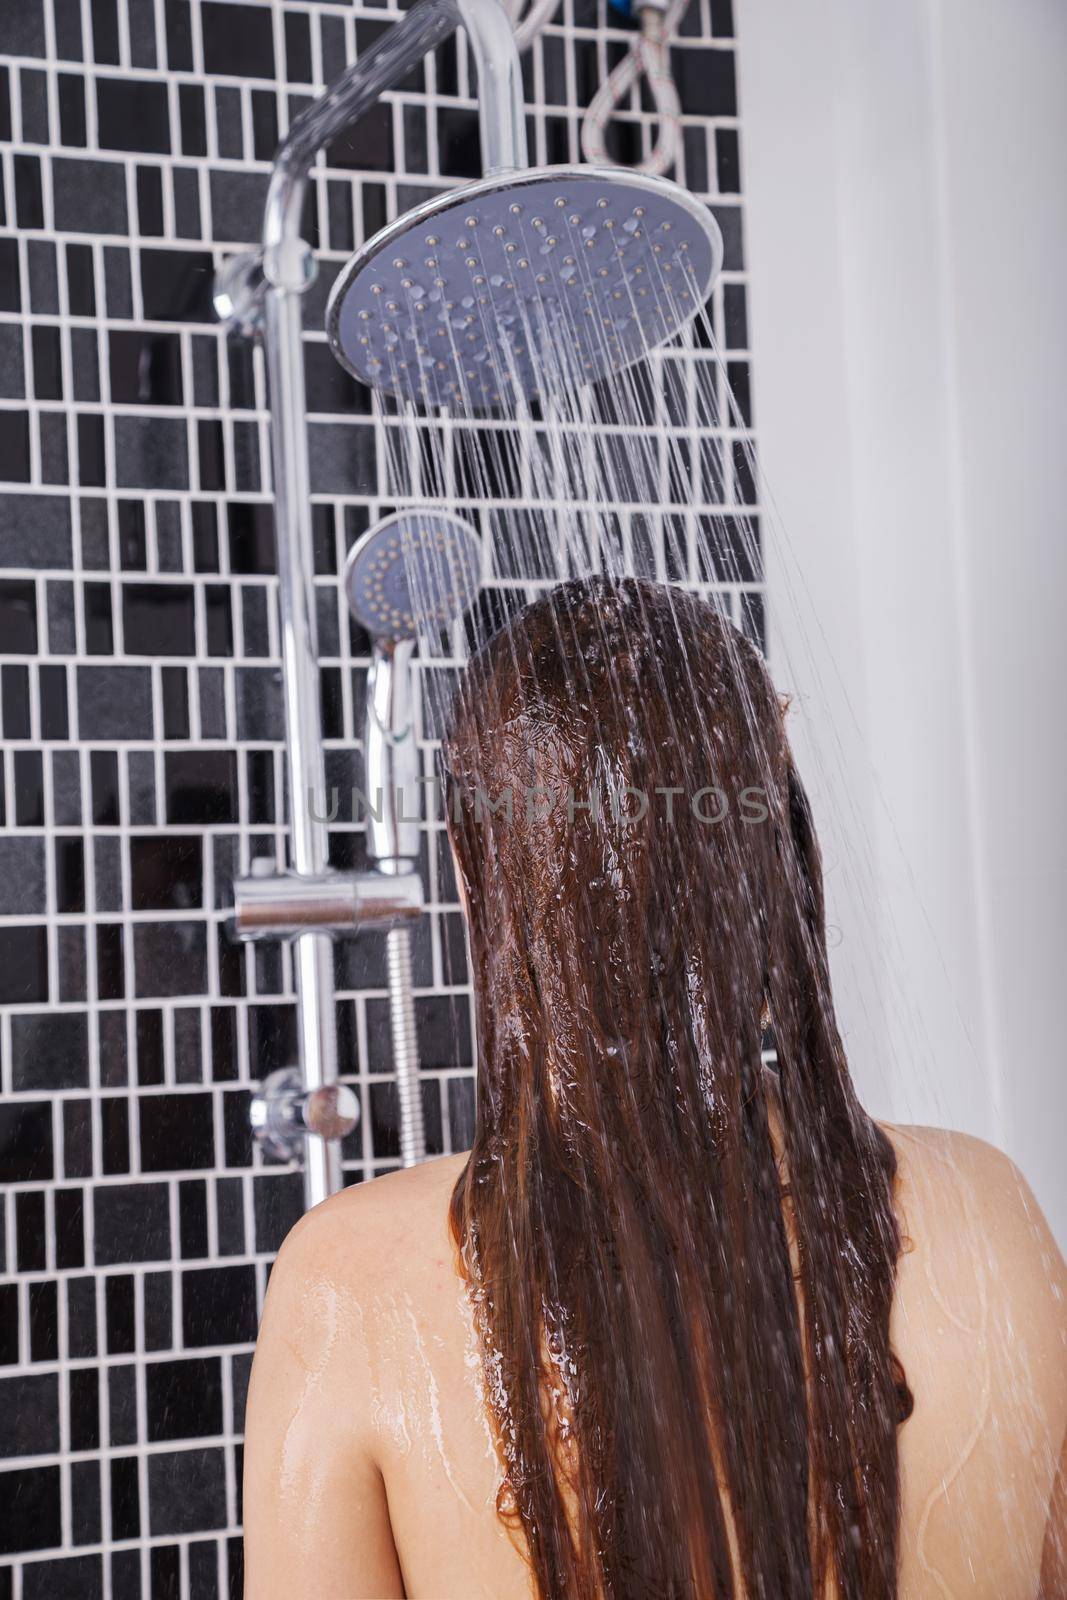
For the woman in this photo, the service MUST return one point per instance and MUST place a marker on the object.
(679, 1325)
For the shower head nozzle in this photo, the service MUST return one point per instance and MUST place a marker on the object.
(414, 572)
(523, 284)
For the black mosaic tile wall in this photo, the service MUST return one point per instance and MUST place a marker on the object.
(141, 722)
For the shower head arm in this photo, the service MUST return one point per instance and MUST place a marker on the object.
(429, 23)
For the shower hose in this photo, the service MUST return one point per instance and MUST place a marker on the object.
(649, 56)
(405, 1046)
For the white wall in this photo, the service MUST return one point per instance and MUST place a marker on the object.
(907, 230)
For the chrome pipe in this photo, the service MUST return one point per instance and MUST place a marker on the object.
(313, 952)
(501, 108)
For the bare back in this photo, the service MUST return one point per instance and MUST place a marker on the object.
(371, 1469)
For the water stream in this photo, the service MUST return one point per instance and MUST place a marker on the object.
(652, 472)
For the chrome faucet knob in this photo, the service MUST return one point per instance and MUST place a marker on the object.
(283, 1112)
(332, 1111)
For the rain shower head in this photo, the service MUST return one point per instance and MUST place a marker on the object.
(411, 573)
(523, 283)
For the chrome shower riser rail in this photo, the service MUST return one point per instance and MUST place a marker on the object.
(261, 291)
(313, 952)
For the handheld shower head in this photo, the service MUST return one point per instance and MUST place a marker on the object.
(523, 282)
(412, 573)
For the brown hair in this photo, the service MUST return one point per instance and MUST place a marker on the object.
(686, 1352)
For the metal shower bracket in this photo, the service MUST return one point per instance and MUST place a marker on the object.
(258, 293)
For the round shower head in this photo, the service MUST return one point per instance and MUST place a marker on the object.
(524, 283)
(412, 573)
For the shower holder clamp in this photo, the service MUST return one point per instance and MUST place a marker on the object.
(283, 905)
(242, 282)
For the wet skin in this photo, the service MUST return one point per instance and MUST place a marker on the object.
(370, 1469)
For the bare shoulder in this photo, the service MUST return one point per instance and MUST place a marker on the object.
(372, 1232)
(958, 1170)
(970, 1200)
(316, 1513)
(979, 1324)
(982, 1288)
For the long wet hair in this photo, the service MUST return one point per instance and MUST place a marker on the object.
(684, 1320)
